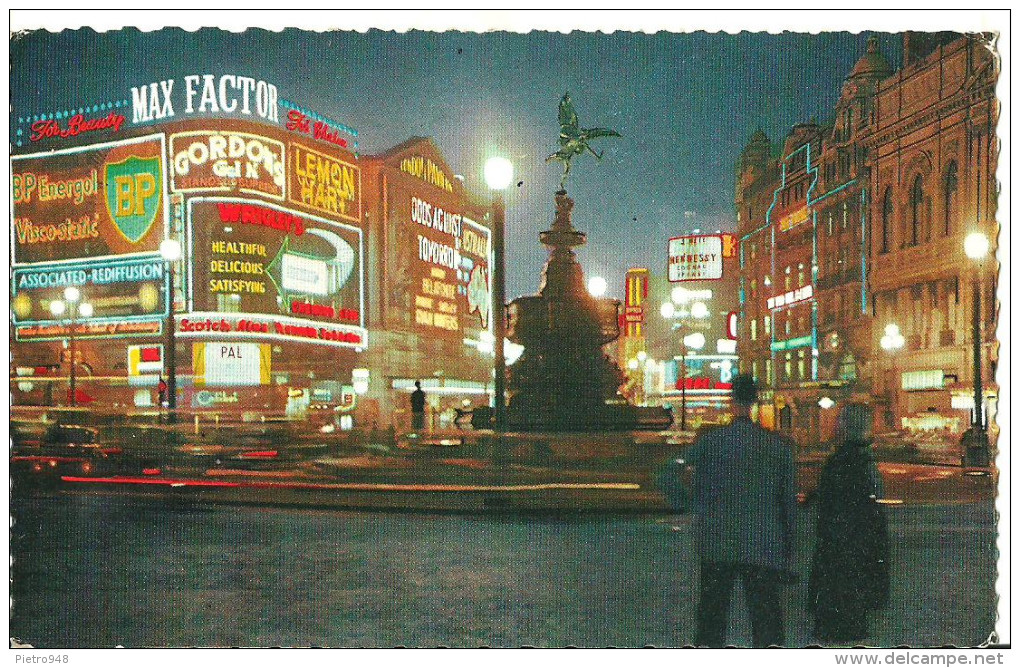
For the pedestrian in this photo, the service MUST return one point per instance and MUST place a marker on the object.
(744, 502)
(417, 408)
(161, 389)
(850, 567)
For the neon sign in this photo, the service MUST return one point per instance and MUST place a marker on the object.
(87, 330)
(325, 183)
(423, 168)
(212, 160)
(91, 202)
(802, 293)
(695, 258)
(225, 94)
(76, 125)
(119, 291)
(264, 259)
(300, 122)
(793, 219)
(790, 344)
(260, 327)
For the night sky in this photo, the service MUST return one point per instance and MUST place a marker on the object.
(685, 104)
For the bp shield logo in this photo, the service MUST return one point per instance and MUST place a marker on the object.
(133, 188)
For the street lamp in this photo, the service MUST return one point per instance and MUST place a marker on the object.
(74, 308)
(170, 249)
(695, 341)
(891, 341)
(597, 286)
(976, 445)
(499, 172)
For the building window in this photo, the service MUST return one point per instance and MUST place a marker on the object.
(768, 326)
(768, 371)
(916, 211)
(788, 367)
(949, 202)
(800, 365)
(887, 213)
(754, 370)
(846, 214)
(754, 330)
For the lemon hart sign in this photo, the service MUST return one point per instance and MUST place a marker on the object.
(97, 201)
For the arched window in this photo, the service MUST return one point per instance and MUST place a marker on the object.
(887, 214)
(949, 202)
(916, 210)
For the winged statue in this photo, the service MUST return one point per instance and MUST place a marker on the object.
(574, 139)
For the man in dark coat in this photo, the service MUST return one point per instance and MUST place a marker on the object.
(417, 408)
(850, 568)
(744, 500)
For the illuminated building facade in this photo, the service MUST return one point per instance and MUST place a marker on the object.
(847, 246)
(430, 251)
(311, 281)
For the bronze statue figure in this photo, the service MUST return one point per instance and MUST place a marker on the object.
(574, 139)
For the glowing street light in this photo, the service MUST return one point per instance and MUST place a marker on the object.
(892, 340)
(597, 286)
(667, 310)
(75, 309)
(699, 310)
(976, 245)
(170, 250)
(499, 173)
(976, 447)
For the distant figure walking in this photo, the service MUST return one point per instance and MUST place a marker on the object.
(162, 391)
(417, 408)
(850, 568)
(744, 500)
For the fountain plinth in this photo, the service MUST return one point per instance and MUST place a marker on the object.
(563, 381)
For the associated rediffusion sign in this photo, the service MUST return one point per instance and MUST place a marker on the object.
(122, 290)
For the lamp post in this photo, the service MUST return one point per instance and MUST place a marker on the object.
(891, 341)
(695, 341)
(499, 173)
(976, 446)
(70, 304)
(170, 249)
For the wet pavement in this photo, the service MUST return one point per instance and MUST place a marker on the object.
(99, 571)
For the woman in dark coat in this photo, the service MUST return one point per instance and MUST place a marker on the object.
(850, 569)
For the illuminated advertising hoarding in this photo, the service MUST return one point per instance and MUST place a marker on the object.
(441, 273)
(258, 258)
(95, 201)
(324, 183)
(226, 160)
(231, 364)
(121, 290)
(695, 258)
